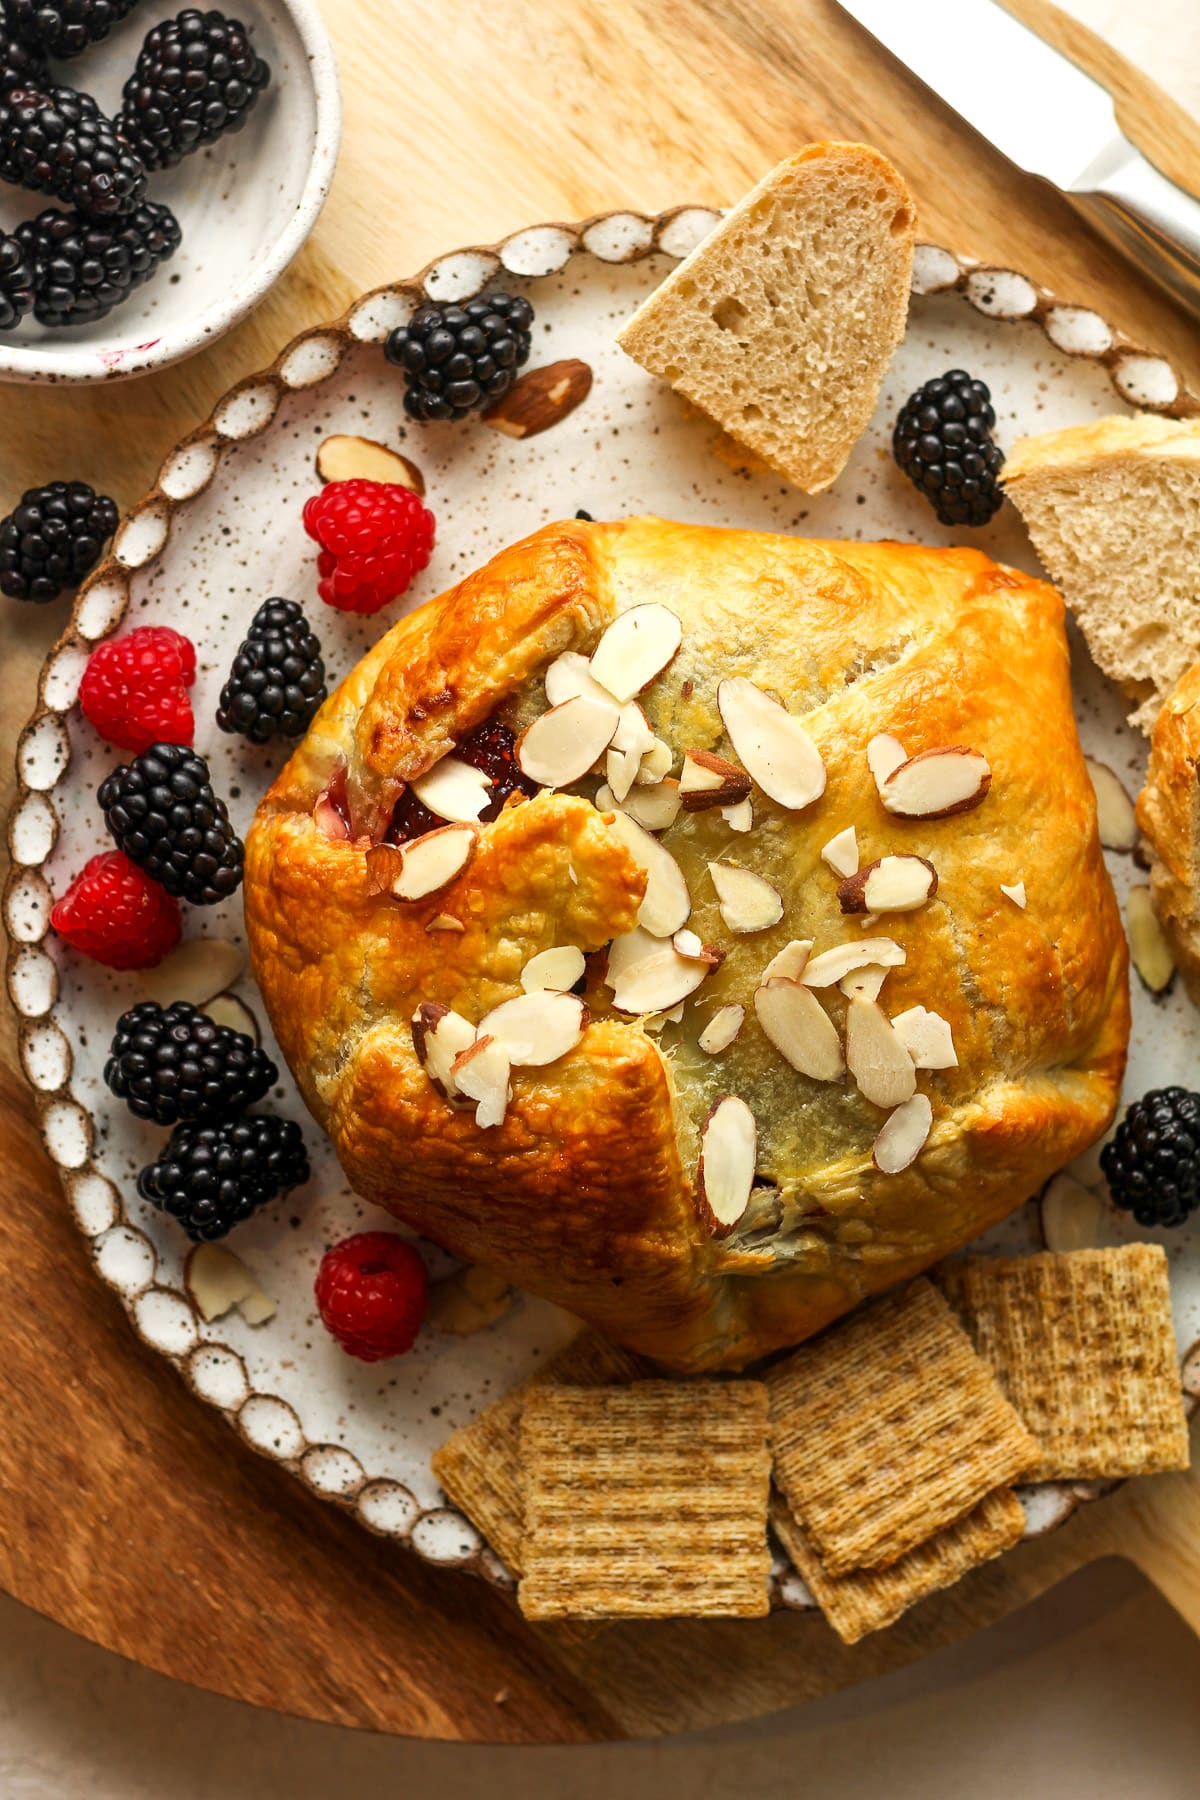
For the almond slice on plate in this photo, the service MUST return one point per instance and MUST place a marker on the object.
(557, 970)
(656, 983)
(748, 901)
(561, 746)
(721, 1029)
(891, 884)
(739, 817)
(569, 677)
(794, 1020)
(439, 1036)
(885, 753)
(362, 459)
(831, 965)
(1115, 817)
(876, 1057)
(197, 971)
(468, 1301)
(666, 904)
(1071, 1215)
(216, 1280)
(1014, 891)
(433, 861)
(228, 1010)
(927, 1037)
(1149, 950)
(481, 1073)
(728, 1152)
(863, 984)
(711, 780)
(903, 1135)
(635, 648)
(774, 747)
(453, 790)
(656, 764)
(841, 852)
(539, 398)
(536, 1028)
(936, 784)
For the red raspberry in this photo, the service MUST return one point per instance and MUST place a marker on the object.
(115, 914)
(134, 689)
(372, 1291)
(374, 537)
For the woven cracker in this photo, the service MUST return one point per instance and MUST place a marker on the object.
(648, 1501)
(1084, 1347)
(889, 1428)
(871, 1599)
(479, 1466)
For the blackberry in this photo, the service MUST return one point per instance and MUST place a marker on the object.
(21, 64)
(59, 142)
(52, 539)
(172, 1063)
(64, 28)
(162, 812)
(457, 358)
(16, 281)
(83, 268)
(490, 747)
(196, 78)
(1152, 1165)
(211, 1177)
(277, 681)
(943, 442)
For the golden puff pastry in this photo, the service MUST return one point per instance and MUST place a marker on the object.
(589, 1190)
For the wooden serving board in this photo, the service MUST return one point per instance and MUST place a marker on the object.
(129, 1512)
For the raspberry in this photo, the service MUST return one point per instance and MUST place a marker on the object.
(134, 689)
(115, 914)
(374, 537)
(372, 1291)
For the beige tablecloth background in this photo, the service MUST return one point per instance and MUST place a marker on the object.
(1091, 1692)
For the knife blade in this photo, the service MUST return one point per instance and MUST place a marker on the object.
(1042, 112)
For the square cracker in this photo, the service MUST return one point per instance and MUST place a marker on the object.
(648, 1501)
(479, 1466)
(870, 1599)
(889, 1428)
(1084, 1347)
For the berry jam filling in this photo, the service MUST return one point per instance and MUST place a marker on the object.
(490, 747)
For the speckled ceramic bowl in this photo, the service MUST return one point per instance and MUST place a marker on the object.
(221, 531)
(245, 204)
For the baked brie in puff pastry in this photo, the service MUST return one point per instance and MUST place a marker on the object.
(700, 928)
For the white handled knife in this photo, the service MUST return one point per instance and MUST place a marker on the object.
(1043, 113)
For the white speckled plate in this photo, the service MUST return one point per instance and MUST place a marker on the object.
(221, 532)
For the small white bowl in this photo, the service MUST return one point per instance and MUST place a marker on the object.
(245, 204)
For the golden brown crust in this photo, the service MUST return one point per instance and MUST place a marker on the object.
(585, 1192)
(1168, 812)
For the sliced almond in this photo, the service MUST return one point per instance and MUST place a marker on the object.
(841, 852)
(445, 922)
(927, 1037)
(632, 947)
(721, 1029)
(875, 1056)
(536, 1028)
(748, 901)
(635, 648)
(739, 817)
(432, 862)
(1149, 950)
(863, 984)
(1071, 1216)
(633, 733)
(789, 963)
(656, 983)
(439, 1036)
(885, 754)
(891, 884)
(453, 790)
(936, 784)
(831, 965)
(197, 971)
(656, 764)
(710, 780)
(666, 904)
(1115, 817)
(621, 767)
(228, 1010)
(688, 943)
(468, 1301)
(1014, 892)
(794, 1020)
(362, 459)
(216, 1280)
(569, 676)
(481, 1073)
(728, 1152)
(540, 398)
(654, 808)
(903, 1135)
(561, 745)
(774, 746)
(557, 970)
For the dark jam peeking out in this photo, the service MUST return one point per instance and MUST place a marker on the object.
(490, 747)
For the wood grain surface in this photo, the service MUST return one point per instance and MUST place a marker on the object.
(130, 1512)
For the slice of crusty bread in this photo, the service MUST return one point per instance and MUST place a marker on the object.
(781, 324)
(1168, 811)
(1113, 509)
